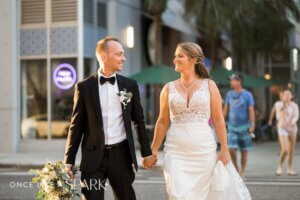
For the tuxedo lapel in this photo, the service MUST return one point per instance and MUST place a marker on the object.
(96, 98)
(121, 86)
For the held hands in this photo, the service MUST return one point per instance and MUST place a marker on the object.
(149, 162)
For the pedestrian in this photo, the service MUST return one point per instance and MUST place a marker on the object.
(239, 107)
(287, 131)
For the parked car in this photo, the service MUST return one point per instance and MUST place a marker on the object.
(36, 126)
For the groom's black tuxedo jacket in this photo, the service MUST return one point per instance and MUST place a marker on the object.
(87, 125)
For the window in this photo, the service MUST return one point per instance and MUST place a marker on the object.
(88, 11)
(64, 10)
(90, 67)
(101, 14)
(61, 99)
(32, 11)
(34, 99)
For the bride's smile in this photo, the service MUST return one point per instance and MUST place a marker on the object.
(182, 62)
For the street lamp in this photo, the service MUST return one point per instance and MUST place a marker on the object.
(228, 63)
(295, 59)
(267, 76)
(130, 36)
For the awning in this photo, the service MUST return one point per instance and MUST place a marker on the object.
(161, 74)
(156, 74)
(220, 76)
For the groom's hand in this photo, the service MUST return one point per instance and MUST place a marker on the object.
(149, 162)
(68, 169)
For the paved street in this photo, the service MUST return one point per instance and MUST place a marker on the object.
(149, 184)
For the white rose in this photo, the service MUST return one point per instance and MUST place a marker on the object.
(44, 183)
(59, 183)
(45, 169)
(122, 98)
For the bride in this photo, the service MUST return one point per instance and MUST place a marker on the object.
(186, 106)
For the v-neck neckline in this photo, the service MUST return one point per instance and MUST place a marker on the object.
(193, 94)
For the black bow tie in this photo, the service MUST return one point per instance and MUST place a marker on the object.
(111, 80)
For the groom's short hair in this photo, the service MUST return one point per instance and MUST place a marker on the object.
(102, 44)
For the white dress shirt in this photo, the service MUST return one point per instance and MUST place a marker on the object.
(113, 124)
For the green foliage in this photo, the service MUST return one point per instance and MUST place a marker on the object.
(54, 182)
(254, 25)
(212, 16)
(155, 6)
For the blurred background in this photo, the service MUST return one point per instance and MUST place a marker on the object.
(48, 45)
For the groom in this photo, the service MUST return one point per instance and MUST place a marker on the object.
(101, 121)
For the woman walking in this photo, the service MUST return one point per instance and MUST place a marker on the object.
(287, 131)
(186, 106)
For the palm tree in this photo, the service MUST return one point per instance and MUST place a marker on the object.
(157, 7)
(212, 17)
(253, 25)
(256, 28)
(261, 26)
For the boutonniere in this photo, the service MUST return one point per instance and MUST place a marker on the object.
(124, 97)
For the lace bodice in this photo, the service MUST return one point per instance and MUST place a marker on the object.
(199, 105)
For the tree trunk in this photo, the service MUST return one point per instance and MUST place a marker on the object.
(213, 52)
(158, 60)
(158, 38)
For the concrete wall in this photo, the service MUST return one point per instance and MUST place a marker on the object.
(120, 15)
(9, 77)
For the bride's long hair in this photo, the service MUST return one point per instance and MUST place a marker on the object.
(193, 50)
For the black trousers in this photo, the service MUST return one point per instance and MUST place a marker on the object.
(116, 166)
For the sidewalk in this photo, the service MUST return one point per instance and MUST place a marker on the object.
(38, 159)
(262, 160)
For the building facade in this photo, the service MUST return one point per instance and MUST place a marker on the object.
(49, 45)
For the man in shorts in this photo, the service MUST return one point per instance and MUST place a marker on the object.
(239, 107)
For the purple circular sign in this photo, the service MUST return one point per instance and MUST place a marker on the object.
(64, 76)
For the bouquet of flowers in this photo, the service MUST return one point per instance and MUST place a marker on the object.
(54, 182)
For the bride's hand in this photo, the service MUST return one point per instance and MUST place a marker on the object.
(224, 156)
(155, 154)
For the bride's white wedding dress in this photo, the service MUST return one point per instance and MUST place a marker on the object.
(190, 149)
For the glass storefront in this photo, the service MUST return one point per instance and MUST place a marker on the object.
(90, 67)
(33, 99)
(64, 76)
(34, 94)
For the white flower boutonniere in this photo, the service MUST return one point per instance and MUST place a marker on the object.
(124, 97)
